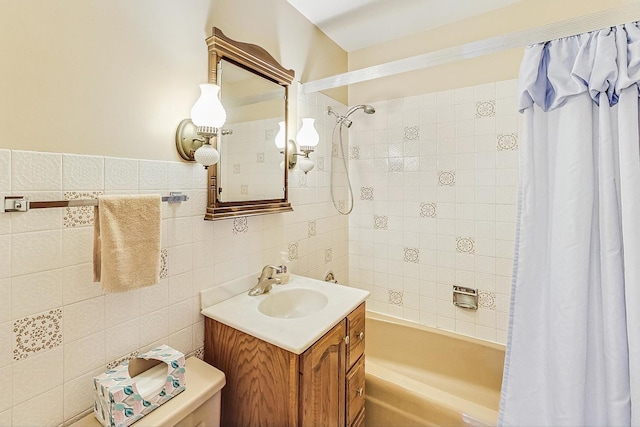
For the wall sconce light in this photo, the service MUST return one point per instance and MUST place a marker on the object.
(292, 148)
(193, 136)
(308, 139)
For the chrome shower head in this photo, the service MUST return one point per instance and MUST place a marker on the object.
(368, 109)
(343, 120)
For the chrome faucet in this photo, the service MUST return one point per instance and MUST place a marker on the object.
(265, 281)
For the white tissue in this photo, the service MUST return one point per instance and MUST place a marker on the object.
(151, 381)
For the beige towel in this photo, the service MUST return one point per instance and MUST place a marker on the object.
(126, 244)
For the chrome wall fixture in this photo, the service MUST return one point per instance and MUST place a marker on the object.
(22, 204)
(193, 136)
(465, 297)
(307, 139)
(188, 140)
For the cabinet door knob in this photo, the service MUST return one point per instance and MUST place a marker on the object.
(361, 335)
(346, 339)
(360, 391)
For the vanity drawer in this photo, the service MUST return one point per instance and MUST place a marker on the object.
(355, 392)
(355, 332)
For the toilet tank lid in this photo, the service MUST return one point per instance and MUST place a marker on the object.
(203, 382)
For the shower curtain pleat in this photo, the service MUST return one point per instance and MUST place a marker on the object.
(629, 160)
(573, 352)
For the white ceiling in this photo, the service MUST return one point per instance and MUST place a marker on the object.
(356, 24)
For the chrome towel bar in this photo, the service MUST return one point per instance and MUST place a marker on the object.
(21, 204)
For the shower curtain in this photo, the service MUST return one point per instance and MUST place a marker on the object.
(573, 352)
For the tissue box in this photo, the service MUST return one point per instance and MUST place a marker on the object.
(118, 401)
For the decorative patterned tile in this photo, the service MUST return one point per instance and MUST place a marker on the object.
(366, 193)
(335, 151)
(152, 175)
(395, 297)
(328, 255)
(293, 251)
(199, 353)
(485, 109)
(342, 205)
(354, 153)
(465, 245)
(320, 163)
(302, 179)
(81, 215)
(380, 222)
(164, 270)
(116, 362)
(244, 189)
(412, 255)
(411, 133)
(268, 135)
(487, 300)
(236, 168)
(447, 178)
(428, 210)
(240, 225)
(82, 172)
(507, 141)
(120, 174)
(396, 164)
(36, 171)
(260, 157)
(311, 229)
(34, 334)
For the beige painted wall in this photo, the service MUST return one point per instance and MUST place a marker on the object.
(500, 66)
(116, 77)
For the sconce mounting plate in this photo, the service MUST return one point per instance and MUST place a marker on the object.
(187, 140)
(292, 151)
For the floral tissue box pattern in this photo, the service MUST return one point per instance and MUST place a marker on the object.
(117, 401)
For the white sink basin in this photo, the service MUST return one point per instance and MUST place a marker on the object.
(293, 303)
(291, 316)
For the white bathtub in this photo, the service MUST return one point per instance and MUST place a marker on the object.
(422, 376)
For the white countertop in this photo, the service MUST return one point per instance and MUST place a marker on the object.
(295, 335)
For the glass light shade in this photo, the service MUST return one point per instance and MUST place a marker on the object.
(208, 110)
(305, 164)
(307, 135)
(206, 155)
(280, 137)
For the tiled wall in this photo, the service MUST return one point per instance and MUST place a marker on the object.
(435, 178)
(251, 161)
(58, 329)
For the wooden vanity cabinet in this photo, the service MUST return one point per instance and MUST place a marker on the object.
(270, 386)
(355, 390)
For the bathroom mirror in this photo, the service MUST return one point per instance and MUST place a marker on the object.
(249, 178)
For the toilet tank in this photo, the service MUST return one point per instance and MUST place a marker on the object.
(197, 406)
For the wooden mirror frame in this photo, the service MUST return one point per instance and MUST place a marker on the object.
(255, 59)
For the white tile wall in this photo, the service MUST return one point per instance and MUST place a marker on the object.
(443, 212)
(46, 272)
(401, 250)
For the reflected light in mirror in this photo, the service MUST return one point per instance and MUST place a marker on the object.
(280, 136)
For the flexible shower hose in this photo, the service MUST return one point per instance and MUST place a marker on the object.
(346, 168)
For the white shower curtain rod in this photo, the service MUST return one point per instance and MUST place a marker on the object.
(520, 39)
